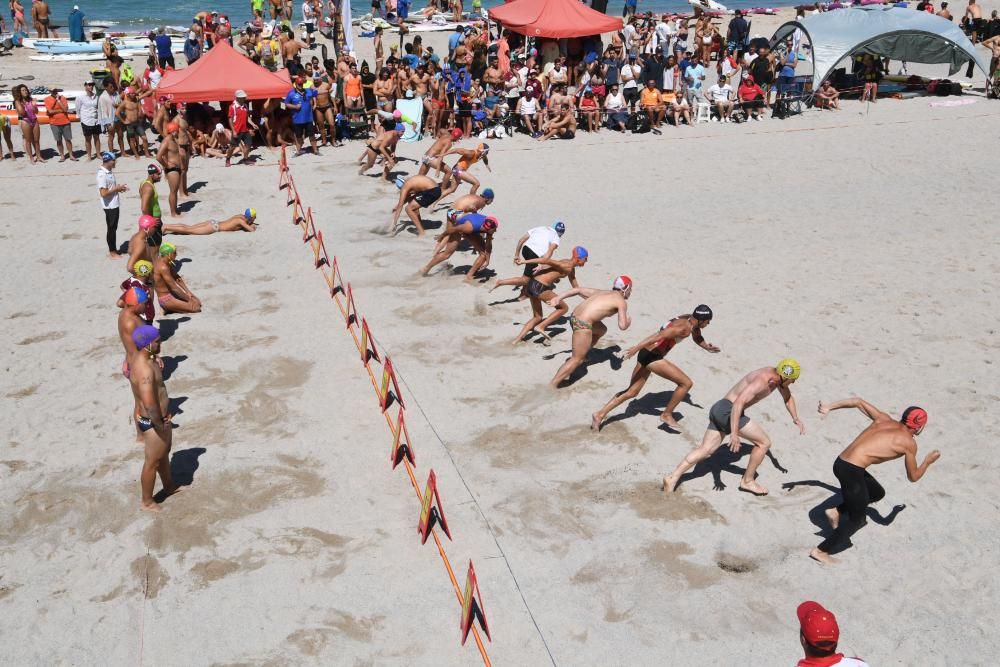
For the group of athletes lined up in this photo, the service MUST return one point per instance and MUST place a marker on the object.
(153, 270)
(883, 440)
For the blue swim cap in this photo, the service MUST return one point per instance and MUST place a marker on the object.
(108, 156)
(488, 194)
(560, 227)
(400, 128)
(580, 252)
(144, 335)
(250, 214)
(400, 182)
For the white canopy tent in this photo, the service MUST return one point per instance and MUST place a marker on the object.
(893, 32)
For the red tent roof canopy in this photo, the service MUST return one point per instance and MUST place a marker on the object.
(553, 18)
(216, 76)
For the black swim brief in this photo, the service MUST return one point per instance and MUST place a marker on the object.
(428, 197)
(646, 357)
(536, 289)
(144, 423)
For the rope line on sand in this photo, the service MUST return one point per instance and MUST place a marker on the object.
(489, 526)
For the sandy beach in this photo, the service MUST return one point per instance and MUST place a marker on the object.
(859, 241)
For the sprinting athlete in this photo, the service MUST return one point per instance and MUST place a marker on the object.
(537, 242)
(885, 439)
(652, 353)
(245, 221)
(460, 172)
(435, 154)
(586, 321)
(540, 286)
(478, 230)
(726, 418)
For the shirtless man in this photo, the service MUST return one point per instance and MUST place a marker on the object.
(460, 172)
(885, 439)
(40, 17)
(129, 319)
(130, 114)
(478, 230)
(418, 192)
(170, 157)
(290, 49)
(385, 91)
(245, 221)
(216, 144)
(433, 157)
(184, 143)
(462, 205)
(420, 81)
(976, 22)
(564, 125)
(540, 289)
(586, 321)
(172, 292)
(150, 393)
(652, 351)
(384, 147)
(726, 418)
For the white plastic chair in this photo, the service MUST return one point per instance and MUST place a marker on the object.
(703, 112)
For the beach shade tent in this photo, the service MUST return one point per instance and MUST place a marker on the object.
(217, 75)
(893, 32)
(553, 19)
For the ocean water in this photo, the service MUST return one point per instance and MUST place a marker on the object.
(132, 15)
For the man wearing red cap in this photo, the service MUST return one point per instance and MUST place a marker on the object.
(819, 634)
(885, 439)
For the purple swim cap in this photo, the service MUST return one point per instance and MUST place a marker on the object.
(144, 335)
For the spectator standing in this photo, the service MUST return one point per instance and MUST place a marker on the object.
(164, 50)
(694, 76)
(300, 102)
(57, 108)
(630, 75)
(76, 25)
(737, 34)
(819, 634)
(86, 110)
(110, 202)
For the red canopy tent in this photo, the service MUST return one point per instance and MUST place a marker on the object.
(553, 19)
(216, 76)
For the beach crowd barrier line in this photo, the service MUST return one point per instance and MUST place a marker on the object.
(388, 393)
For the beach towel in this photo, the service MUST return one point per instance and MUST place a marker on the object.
(412, 110)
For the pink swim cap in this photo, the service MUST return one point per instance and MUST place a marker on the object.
(397, 114)
(147, 222)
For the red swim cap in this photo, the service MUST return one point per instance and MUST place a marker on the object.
(490, 224)
(456, 133)
(914, 417)
(147, 222)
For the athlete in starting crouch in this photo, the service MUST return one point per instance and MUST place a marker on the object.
(478, 230)
(726, 418)
(245, 221)
(652, 352)
(586, 321)
(415, 193)
(885, 439)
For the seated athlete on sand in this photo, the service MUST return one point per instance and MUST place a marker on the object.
(726, 418)
(652, 351)
(478, 230)
(245, 221)
(586, 321)
(540, 286)
(172, 292)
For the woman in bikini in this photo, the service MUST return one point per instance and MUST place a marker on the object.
(652, 351)
(27, 116)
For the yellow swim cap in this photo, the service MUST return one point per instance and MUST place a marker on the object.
(142, 269)
(788, 369)
(250, 214)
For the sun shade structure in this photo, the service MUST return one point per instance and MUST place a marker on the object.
(894, 32)
(216, 76)
(553, 18)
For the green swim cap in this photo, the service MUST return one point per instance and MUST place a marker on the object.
(167, 249)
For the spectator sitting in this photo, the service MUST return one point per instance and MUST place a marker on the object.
(681, 108)
(827, 97)
(721, 95)
(527, 109)
(614, 104)
(652, 103)
(819, 634)
(751, 97)
(590, 112)
(564, 125)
